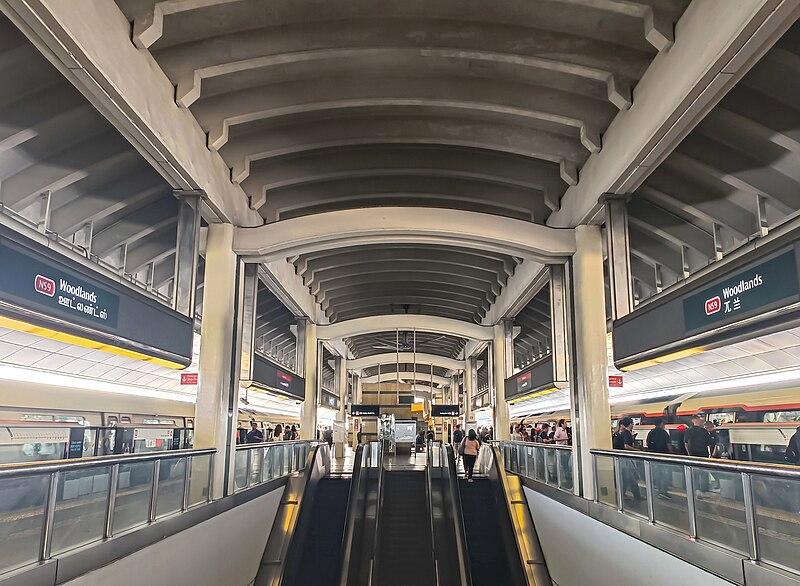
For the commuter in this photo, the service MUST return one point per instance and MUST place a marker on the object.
(793, 449)
(625, 441)
(255, 435)
(517, 434)
(544, 435)
(327, 436)
(713, 447)
(491, 433)
(420, 441)
(277, 433)
(430, 436)
(658, 442)
(359, 436)
(469, 449)
(561, 437)
(241, 435)
(458, 437)
(698, 441)
(294, 434)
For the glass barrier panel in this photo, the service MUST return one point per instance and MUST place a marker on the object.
(80, 512)
(530, 463)
(566, 469)
(669, 496)
(606, 481)
(22, 502)
(538, 457)
(634, 491)
(255, 466)
(240, 470)
(199, 475)
(777, 508)
(268, 463)
(286, 461)
(551, 470)
(719, 508)
(132, 504)
(170, 486)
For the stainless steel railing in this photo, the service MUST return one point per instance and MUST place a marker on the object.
(50, 508)
(549, 464)
(752, 510)
(258, 463)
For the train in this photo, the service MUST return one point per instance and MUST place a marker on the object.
(42, 422)
(752, 426)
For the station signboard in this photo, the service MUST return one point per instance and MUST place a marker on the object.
(537, 379)
(751, 296)
(271, 377)
(43, 289)
(445, 410)
(365, 410)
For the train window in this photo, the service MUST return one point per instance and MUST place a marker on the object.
(722, 418)
(158, 421)
(125, 419)
(35, 417)
(781, 416)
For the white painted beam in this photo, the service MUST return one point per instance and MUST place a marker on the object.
(528, 278)
(404, 322)
(388, 378)
(406, 358)
(280, 277)
(90, 43)
(678, 89)
(403, 225)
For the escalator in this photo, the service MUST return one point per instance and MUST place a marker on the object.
(490, 541)
(316, 557)
(404, 555)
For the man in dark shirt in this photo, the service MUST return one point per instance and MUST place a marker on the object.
(625, 441)
(698, 440)
(658, 442)
(793, 449)
(255, 435)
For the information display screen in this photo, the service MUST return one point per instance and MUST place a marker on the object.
(271, 376)
(365, 410)
(445, 410)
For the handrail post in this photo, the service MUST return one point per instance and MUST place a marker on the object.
(620, 487)
(46, 544)
(690, 504)
(154, 491)
(210, 477)
(263, 456)
(187, 476)
(596, 479)
(108, 530)
(750, 516)
(648, 488)
(249, 468)
(558, 468)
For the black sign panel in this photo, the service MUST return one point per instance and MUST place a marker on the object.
(770, 283)
(75, 447)
(405, 400)
(479, 401)
(330, 400)
(445, 410)
(537, 377)
(742, 297)
(50, 290)
(365, 410)
(272, 377)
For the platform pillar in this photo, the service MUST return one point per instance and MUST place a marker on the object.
(216, 411)
(502, 364)
(308, 412)
(590, 411)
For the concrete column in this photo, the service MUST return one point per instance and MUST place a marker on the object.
(308, 413)
(619, 257)
(502, 364)
(590, 409)
(341, 385)
(217, 398)
(469, 388)
(359, 392)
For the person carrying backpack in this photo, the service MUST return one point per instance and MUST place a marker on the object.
(458, 437)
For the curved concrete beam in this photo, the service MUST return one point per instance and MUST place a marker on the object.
(405, 358)
(475, 96)
(404, 225)
(497, 136)
(390, 377)
(404, 322)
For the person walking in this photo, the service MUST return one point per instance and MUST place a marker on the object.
(469, 450)
(327, 436)
(458, 437)
(658, 442)
(625, 441)
(255, 435)
(698, 441)
(793, 449)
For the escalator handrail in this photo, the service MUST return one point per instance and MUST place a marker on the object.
(373, 579)
(457, 512)
(353, 496)
(429, 495)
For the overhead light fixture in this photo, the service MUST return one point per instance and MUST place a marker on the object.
(22, 326)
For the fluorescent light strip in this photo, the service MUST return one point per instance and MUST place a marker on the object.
(43, 377)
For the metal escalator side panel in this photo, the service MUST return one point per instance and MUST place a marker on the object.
(298, 489)
(354, 501)
(528, 546)
(452, 503)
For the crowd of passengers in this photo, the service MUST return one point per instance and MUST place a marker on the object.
(256, 435)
